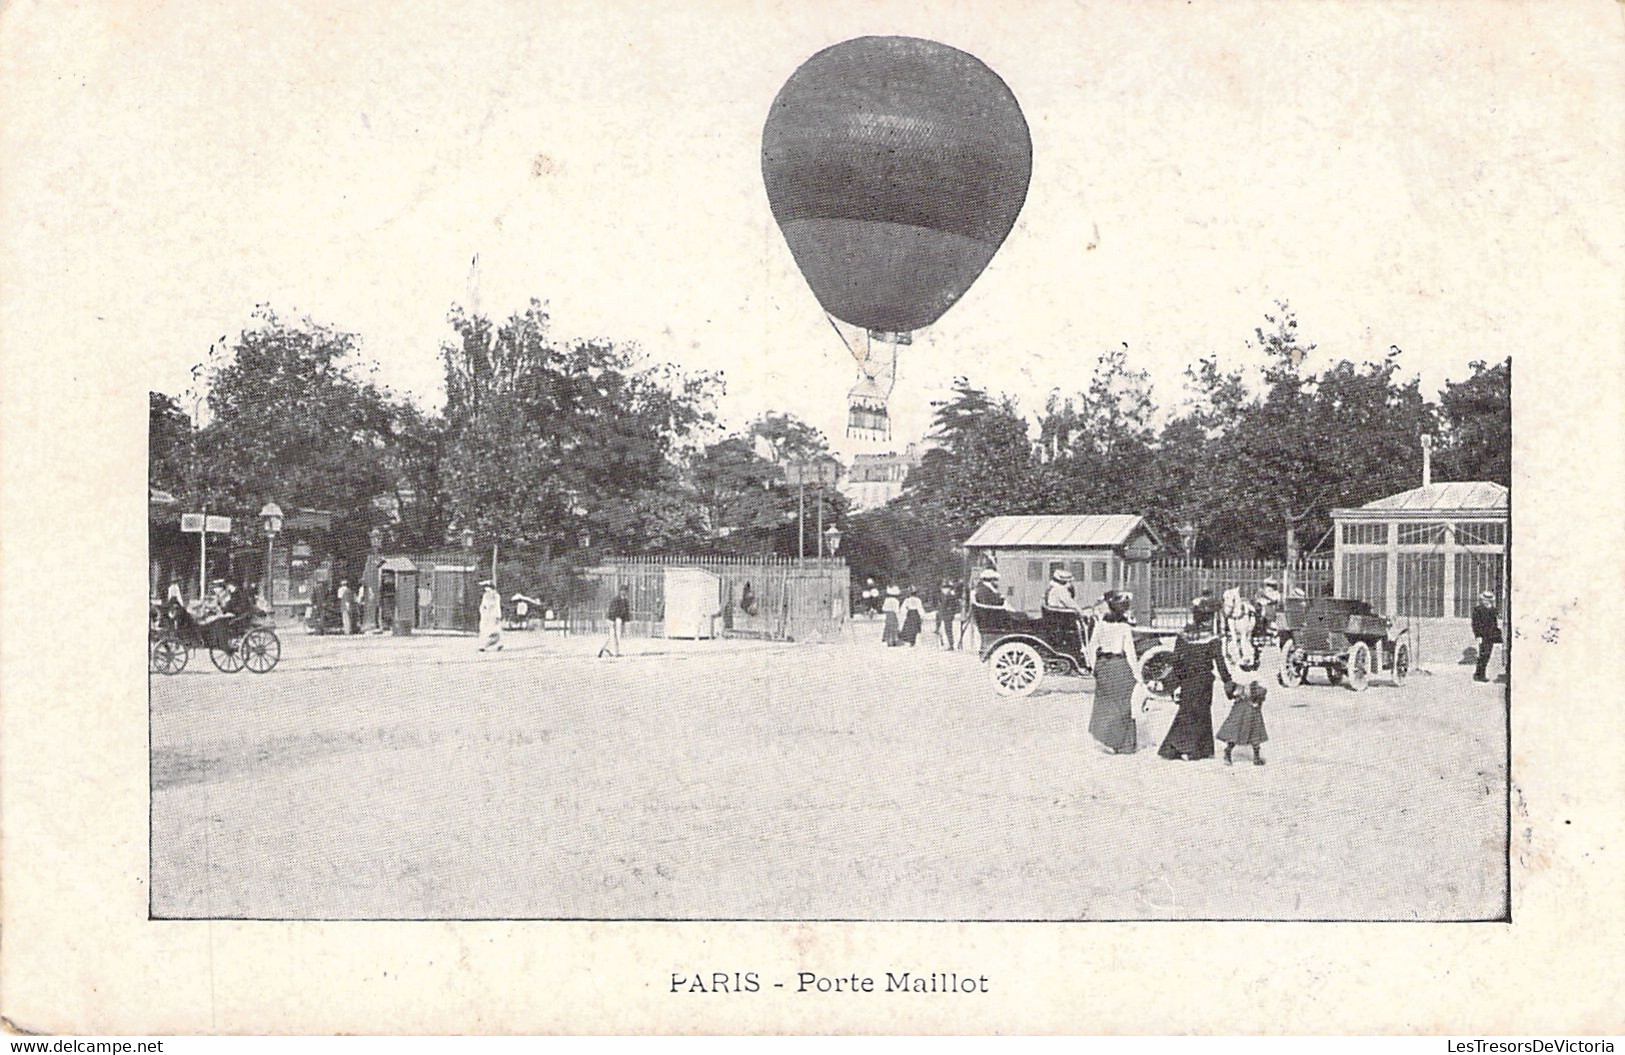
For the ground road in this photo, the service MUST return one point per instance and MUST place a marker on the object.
(382, 778)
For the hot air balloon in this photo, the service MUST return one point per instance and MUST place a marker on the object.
(895, 167)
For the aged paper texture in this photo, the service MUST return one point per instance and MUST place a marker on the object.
(1448, 173)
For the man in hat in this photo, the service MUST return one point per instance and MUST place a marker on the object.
(1062, 613)
(1487, 628)
(947, 609)
(346, 606)
(987, 593)
(490, 617)
(619, 614)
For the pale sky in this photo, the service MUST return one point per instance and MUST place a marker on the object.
(1391, 169)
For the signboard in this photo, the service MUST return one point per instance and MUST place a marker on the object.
(824, 472)
(197, 522)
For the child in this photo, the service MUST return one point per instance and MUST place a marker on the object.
(1245, 725)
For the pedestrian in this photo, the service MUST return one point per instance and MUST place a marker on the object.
(1198, 655)
(1245, 724)
(947, 610)
(347, 606)
(1487, 628)
(619, 614)
(490, 617)
(1117, 672)
(360, 606)
(890, 607)
(913, 617)
(871, 598)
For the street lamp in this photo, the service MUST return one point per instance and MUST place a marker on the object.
(271, 520)
(832, 539)
(468, 538)
(375, 538)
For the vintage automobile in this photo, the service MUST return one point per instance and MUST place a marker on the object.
(1020, 649)
(1345, 638)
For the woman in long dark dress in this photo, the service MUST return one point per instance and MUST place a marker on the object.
(1116, 667)
(1198, 655)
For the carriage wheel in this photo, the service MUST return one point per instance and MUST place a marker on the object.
(1016, 669)
(1157, 669)
(1357, 668)
(260, 650)
(1294, 665)
(168, 655)
(1402, 662)
(228, 660)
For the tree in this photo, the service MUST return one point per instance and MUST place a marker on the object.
(553, 445)
(293, 418)
(787, 439)
(982, 468)
(741, 482)
(1476, 438)
(1103, 443)
(169, 444)
(1187, 496)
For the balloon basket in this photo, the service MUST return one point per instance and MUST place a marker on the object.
(868, 421)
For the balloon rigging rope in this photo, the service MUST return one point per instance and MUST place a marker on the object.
(850, 350)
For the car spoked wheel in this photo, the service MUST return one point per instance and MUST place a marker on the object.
(1294, 665)
(1357, 670)
(1157, 670)
(1016, 669)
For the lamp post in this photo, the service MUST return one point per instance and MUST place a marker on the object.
(1187, 538)
(468, 538)
(271, 520)
(832, 539)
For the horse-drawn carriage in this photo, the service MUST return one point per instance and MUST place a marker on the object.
(1020, 649)
(236, 645)
(1345, 638)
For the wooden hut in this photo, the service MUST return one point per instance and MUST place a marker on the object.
(1110, 552)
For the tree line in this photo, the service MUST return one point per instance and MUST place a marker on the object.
(560, 450)
(553, 450)
(1247, 463)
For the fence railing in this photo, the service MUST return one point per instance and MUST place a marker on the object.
(779, 598)
(723, 561)
(1175, 583)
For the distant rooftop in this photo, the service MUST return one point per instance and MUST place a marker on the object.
(1108, 530)
(1459, 496)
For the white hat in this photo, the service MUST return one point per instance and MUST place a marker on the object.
(990, 573)
(1062, 575)
(891, 591)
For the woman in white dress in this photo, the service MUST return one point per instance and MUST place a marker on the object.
(1117, 670)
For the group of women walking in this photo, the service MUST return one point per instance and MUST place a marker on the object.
(1198, 659)
(904, 617)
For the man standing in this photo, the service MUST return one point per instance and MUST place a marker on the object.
(947, 609)
(619, 614)
(347, 606)
(1487, 628)
(490, 618)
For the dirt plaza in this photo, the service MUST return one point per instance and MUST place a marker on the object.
(384, 778)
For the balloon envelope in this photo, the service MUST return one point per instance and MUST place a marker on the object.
(895, 168)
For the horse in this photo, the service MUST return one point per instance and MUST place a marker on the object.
(1237, 618)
